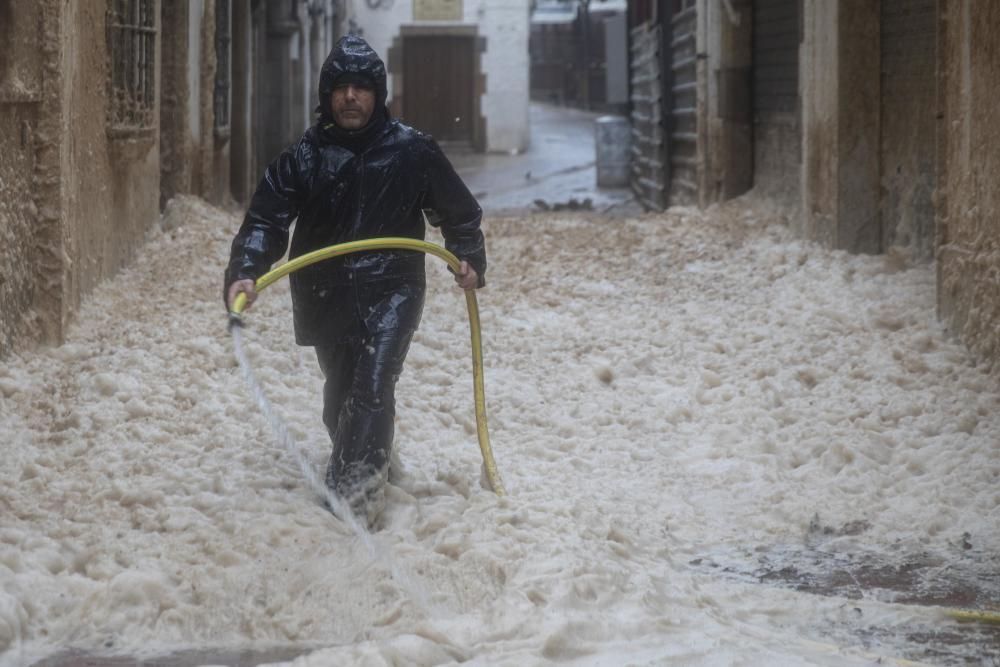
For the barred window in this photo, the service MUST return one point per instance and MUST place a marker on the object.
(223, 70)
(131, 27)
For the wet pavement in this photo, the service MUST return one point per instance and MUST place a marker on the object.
(192, 658)
(833, 562)
(557, 172)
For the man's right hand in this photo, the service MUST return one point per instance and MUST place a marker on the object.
(246, 286)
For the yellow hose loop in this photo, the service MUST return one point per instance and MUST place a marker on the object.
(400, 243)
(972, 616)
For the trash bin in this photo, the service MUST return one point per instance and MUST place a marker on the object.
(613, 143)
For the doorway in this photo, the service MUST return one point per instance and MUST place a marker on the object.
(439, 92)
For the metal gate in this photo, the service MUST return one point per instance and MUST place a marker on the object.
(664, 107)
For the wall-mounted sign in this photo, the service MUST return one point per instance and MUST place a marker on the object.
(437, 10)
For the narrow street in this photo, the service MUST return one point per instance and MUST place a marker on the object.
(722, 446)
(557, 171)
(743, 397)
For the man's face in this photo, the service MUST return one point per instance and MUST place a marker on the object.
(352, 105)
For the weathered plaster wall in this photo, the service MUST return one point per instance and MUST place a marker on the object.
(841, 119)
(20, 105)
(728, 153)
(111, 185)
(80, 201)
(176, 142)
(505, 63)
(48, 255)
(504, 24)
(819, 74)
(969, 198)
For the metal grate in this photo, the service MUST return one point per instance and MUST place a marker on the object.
(132, 32)
(223, 70)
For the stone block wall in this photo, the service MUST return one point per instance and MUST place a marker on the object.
(77, 201)
(21, 64)
(968, 198)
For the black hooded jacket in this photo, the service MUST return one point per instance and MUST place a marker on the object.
(341, 186)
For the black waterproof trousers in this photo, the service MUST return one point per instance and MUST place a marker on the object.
(359, 403)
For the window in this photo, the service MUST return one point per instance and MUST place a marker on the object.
(223, 69)
(131, 28)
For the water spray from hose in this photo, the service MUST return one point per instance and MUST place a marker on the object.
(313, 479)
(400, 243)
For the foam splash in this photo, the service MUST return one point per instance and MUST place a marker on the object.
(377, 552)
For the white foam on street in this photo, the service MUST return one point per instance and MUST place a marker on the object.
(658, 389)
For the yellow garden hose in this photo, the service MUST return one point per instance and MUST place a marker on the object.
(399, 243)
(973, 615)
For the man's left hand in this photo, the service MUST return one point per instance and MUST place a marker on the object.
(466, 277)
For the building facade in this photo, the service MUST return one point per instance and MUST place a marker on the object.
(458, 69)
(967, 174)
(79, 153)
(110, 108)
(869, 121)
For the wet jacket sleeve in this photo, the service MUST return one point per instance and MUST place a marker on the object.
(263, 237)
(455, 211)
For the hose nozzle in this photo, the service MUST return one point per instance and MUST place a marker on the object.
(235, 320)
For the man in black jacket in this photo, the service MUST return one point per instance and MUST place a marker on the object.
(357, 174)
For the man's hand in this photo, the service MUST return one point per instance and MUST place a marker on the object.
(246, 286)
(466, 277)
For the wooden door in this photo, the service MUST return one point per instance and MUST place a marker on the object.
(439, 86)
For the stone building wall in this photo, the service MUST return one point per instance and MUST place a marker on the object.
(21, 76)
(110, 182)
(32, 113)
(77, 198)
(968, 199)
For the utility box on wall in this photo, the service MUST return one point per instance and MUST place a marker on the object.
(613, 143)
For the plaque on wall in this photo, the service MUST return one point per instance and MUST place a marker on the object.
(437, 10)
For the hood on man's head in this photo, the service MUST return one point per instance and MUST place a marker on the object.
(351, 58)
